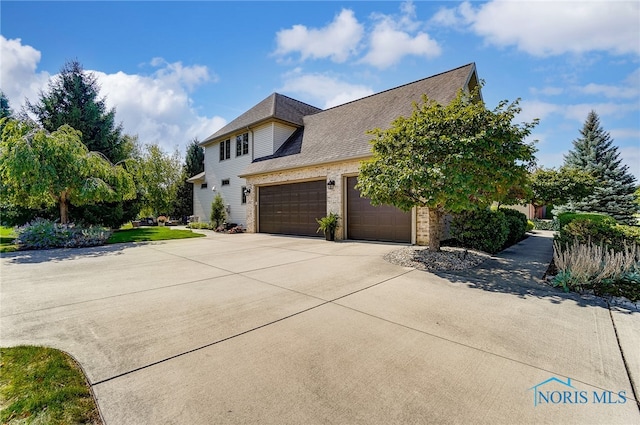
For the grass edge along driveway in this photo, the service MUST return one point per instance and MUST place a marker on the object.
(44, 385)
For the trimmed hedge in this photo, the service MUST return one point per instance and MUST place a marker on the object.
(567, 217)
(484, 230)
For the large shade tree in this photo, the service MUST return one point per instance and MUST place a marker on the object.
(73, 98)
(594, 153)
(39, 168)
(448, 158)
(158, 175)
(557, 187)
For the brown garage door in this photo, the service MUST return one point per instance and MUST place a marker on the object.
(380, 223)
(292, 209)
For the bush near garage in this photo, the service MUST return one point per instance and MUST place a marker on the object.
(481, 229)
(517, 223)
(45, 234)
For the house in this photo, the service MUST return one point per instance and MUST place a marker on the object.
(284, 163)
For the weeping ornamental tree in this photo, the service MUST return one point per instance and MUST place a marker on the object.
(594, 153)
(448, 158)
(38, 168)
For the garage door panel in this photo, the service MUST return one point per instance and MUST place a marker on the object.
(292, 209)
(376, 223)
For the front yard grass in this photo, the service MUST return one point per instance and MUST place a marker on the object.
(43, 385)
(7, 235)
(145, 234)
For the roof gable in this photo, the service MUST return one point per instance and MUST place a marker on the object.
(340, 132)
(275, 106)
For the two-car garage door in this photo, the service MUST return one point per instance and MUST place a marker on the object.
(292, 209)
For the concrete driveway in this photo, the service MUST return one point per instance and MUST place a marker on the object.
(255, 328)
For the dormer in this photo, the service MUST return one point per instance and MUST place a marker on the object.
(265, 127)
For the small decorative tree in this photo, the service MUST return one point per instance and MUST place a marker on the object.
(218, 211)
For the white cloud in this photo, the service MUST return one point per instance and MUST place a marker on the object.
(394, 37)
(630, 156)
(322, 89)
(580, 111)
(18, 76)
(551, 28)
(338, 40)
(547, 91)
(532, 109)
(156, 107)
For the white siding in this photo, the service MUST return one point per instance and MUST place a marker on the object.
(215, 172)
(263, 141)
(281, 133)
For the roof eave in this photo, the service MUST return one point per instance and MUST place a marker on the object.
(298, 167)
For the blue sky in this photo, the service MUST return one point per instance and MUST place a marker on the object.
(179, 70)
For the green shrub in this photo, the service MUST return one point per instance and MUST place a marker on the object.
(567, 217)
(545, 224)
(601, 232)
(517, 224)
(45, 234)
(530, 225)
(631, 233)
(218, 211)
(484, 230)
(199, 226)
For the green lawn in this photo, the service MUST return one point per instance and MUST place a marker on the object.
(7, 235)
(143, 234)
(44, 386)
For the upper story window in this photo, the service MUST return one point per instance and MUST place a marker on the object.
(242, 144)
(203, 186)
(225, 149)
(225, 182)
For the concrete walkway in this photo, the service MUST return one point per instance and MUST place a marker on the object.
(261, 329)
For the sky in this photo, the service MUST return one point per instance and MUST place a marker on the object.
(175, 71)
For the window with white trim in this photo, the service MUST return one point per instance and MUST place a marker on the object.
(225, 149)
(242, 144)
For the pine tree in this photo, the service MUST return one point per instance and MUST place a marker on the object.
(595, 153)
(72, 99)
(194, 164)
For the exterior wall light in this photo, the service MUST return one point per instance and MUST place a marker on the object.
(331, 184)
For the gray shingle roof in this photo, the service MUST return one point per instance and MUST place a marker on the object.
(276, 106)
(340, 133)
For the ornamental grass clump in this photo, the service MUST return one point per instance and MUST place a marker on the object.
(591, 266)
(45, 234)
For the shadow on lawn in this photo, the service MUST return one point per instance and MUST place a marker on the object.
(63, 254)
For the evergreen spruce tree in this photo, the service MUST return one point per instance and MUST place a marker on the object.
(595, 153)
(194, 164)
(72, 99)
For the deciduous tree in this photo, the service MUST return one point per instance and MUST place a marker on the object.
(158, 179)
(448, 158)
(557, 187)
(38, 168)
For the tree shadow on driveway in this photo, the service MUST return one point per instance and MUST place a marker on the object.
(64, 254)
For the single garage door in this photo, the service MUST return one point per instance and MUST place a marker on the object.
(292, 209)
(380, 223)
